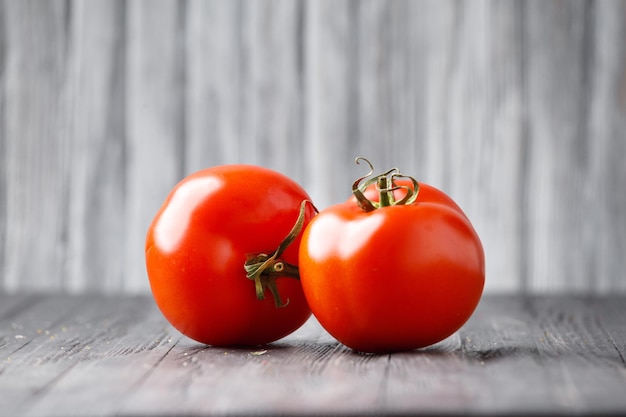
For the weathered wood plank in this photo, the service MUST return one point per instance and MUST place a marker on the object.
(95, 85)
(607, 128)
(155, 137)
(212, 83)
(568, 136)
(35, 159)
(245, 84)
(97, 355)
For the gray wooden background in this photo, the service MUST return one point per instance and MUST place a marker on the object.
(517, 109)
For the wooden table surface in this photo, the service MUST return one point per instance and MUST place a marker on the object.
(101, 355)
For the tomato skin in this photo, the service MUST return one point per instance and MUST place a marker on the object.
(393, 279)
(199, 241)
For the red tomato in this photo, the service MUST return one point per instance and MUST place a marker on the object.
(398, 277)
(212, 222)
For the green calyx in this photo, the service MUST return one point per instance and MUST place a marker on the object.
(386, 185)
(264, 269)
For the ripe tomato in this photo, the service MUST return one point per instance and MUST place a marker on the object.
(386, 276)
(211, 224)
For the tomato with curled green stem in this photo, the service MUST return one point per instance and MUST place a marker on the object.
(396, 267)
(218, 249)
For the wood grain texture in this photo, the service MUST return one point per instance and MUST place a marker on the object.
(103, 356)
(517, 109)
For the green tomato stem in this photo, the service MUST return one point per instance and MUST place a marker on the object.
(264, 269)
(386, 185)
(385, 193)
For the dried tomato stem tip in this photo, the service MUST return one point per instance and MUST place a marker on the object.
(386, 185)
(263, 269)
